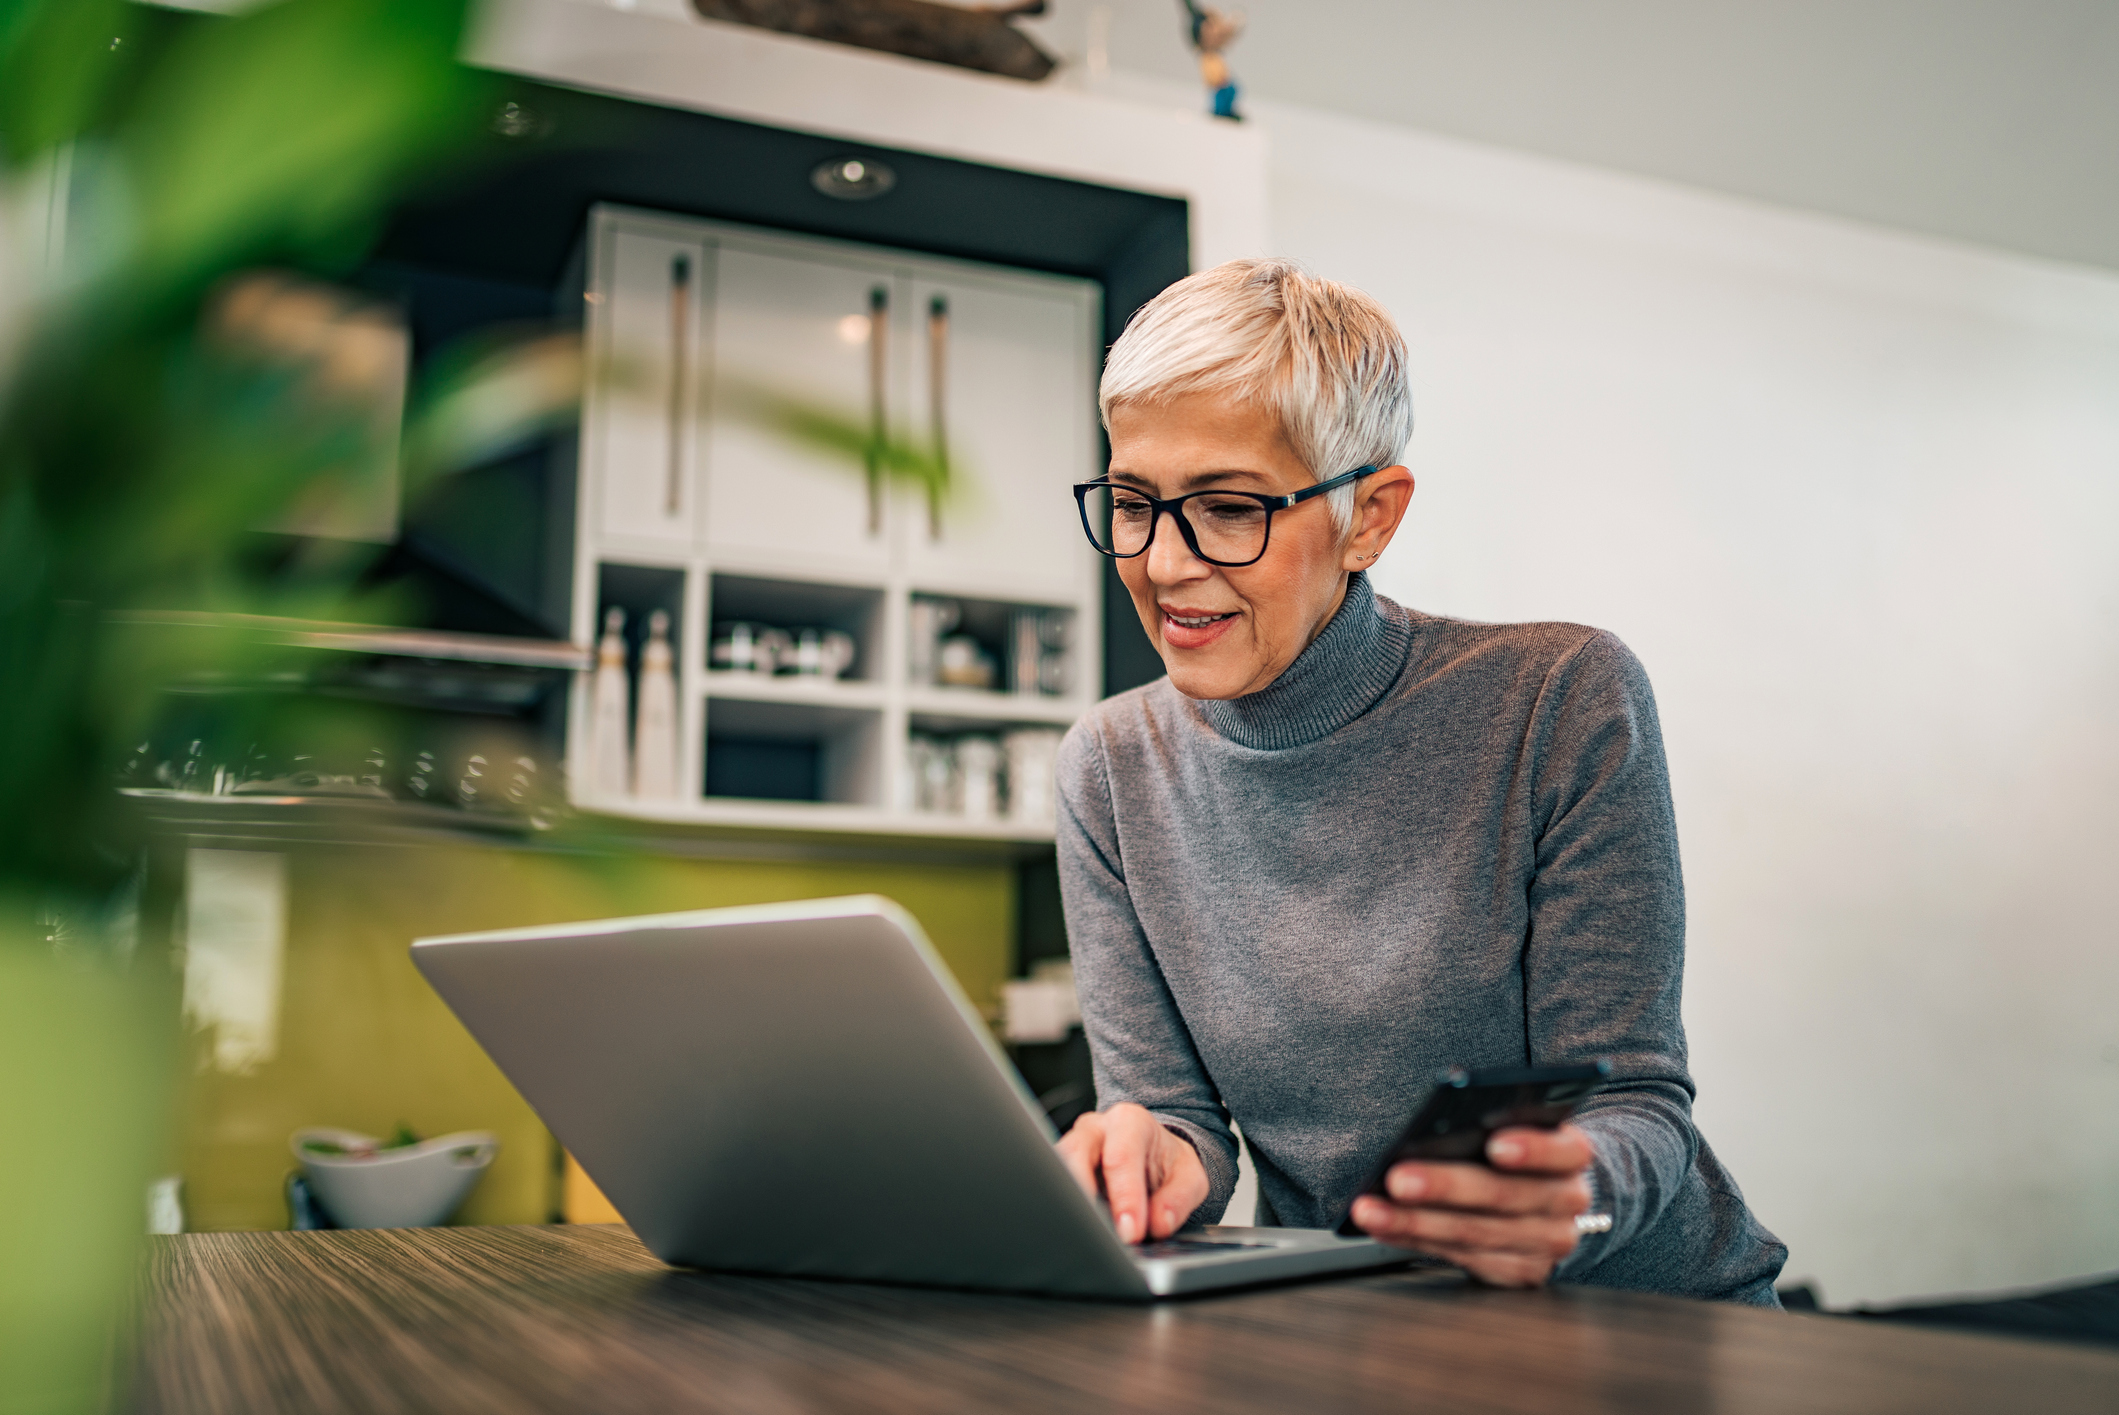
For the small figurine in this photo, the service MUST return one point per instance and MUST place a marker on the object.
(1212, 31)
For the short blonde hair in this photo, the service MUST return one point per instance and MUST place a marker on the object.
(1324, 357)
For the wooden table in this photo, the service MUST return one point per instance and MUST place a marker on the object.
(583, 1319)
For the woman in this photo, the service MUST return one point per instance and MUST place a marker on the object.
(1345, 845)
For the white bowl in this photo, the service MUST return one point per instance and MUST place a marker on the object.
(417, 1186)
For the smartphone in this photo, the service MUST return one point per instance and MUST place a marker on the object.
(1467, 1107)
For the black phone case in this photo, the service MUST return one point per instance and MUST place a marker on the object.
(1467, 1107)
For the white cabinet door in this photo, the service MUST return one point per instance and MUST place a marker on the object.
(1001, 370)
(649, 296)
(793, 329)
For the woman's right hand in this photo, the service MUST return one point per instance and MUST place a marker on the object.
(1151, 1178)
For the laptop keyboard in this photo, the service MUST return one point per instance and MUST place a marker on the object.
(1189, 1247)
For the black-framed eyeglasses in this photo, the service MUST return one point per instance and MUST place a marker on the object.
(1228, 528)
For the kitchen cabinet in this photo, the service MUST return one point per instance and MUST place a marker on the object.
(999, 379)
(819, 327)
(700, 501)
(640, 422)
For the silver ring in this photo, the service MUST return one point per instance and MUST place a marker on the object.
(1592, 1223)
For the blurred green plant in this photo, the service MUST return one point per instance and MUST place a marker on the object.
(150, 167)
(846, 437)
(137, 446)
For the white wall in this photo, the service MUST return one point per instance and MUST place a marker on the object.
(1853, 497)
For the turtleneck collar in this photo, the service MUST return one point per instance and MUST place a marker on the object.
(1336, 679)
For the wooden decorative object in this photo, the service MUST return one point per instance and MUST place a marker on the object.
(978, 38)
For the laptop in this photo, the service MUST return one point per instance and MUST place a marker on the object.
(802, 1090)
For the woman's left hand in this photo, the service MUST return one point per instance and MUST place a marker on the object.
(1508, 1225)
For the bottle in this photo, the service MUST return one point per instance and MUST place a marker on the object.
(655, 730)
(1031, 755)
(1026, 650)
(610, 757)
(931, 620)
(978, 769)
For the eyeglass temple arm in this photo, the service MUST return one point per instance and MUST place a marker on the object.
(1324, 486)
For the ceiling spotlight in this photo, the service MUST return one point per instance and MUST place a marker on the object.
(852, 178)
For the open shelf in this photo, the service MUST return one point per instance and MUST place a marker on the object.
(785, 751)
(640, 590)
(792, 606)
(1029, 647)
(981, 775)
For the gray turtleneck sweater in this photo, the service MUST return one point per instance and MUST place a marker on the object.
(1429, 843)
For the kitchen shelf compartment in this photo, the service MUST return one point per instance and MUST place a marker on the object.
(1031, 647)
(782, 751)
(795, 605)
(639, 590)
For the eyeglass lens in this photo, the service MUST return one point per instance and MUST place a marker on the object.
(1227, 527)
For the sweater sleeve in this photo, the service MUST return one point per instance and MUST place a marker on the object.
(1142, 1050)
(1603, 964)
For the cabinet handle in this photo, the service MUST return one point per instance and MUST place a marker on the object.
(680, 375)
(878, 377)
(938, 407)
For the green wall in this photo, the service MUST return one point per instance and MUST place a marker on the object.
(365, 1044)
